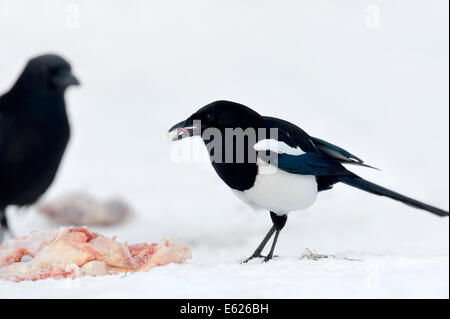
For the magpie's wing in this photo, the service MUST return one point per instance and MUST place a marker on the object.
(317, 164)
(294, 151)
(290, 134)
(294, 136)
(338, 153)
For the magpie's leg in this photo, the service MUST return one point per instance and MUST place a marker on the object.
(278, 223)
(257, 253)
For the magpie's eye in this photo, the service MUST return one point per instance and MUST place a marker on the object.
(209, 117)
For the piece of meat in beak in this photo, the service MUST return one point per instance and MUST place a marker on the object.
(186, 128)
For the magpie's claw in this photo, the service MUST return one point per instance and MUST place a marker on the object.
(267, 258)
(252, 257)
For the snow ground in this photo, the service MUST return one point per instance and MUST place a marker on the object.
(287, 277)
(401, 256)
(382, 94)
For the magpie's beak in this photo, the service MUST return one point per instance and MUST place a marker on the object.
(183, 129)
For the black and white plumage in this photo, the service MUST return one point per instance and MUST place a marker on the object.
(34, 131)
(304, 165)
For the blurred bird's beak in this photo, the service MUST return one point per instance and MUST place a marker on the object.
(72, 80)
(183, 129)
(65, 80)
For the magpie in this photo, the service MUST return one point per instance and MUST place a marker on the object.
(34, 131)
(281, 168)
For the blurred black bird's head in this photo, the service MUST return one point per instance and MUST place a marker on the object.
(220, 115)
(49, 74)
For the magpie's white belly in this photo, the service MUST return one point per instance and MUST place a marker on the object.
(280, 191)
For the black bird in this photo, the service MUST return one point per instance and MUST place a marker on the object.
(34, 131)
(273, 164)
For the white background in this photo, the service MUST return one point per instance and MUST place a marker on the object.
(378, 90)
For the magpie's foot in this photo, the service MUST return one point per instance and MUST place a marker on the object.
(252, 257)
(267, 258)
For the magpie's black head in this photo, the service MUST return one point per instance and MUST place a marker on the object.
(219, 115)
(49, 74)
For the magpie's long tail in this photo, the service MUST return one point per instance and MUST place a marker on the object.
(367, 186)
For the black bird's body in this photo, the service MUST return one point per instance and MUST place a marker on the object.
(34, 131)
(31, 152)
(303, 166)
